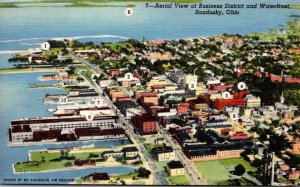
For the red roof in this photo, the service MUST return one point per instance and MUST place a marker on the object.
(45, 135)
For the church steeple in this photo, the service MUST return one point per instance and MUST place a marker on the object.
(282, 98)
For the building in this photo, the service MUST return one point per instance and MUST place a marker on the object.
(220, 87)
(163, 153)
(213, 80)
(125, 105)
(139, 95)
(217, 124)
(126, 152)
(158, 80)
(182, 108)
(114, 93)
(130, 151)
(99, 176)
(238, 136)
(150, 100)
(175, 168)
(190, 79)
(22, 130)
(200, 89)
(96, 133)
(114, 72)
(198, 104)
(179, 77)
(293, 174)
(252, 101)
(85, 163)
(202, 152)
(145, 123)
(237, 100)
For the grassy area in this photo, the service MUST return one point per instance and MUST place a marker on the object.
(161, 165)
(149, 146)
(292, 28)
(125, 176)
(178, 180)
(218, 171)
(52, 51)
(87, 75)
(43, 161)
(82, 67)
(116, 47)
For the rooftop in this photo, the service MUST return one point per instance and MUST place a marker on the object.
(130, 149)
(175, 164)
(56, 119)
(158, 150)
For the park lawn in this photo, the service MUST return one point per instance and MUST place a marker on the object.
(37, 155)
(178, 180)
(82, 67)
(37, 164)
(218, 171)
(116, 47)
(126, 176)
(52, 51)
(161, 165)
(87, 75)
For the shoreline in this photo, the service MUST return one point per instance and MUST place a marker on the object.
(20, 71)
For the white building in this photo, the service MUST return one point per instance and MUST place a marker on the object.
(252, 101)
(23, 129)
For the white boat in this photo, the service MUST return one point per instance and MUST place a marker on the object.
(51, 109)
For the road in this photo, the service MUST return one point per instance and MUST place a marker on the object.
(159, 179)
(191, 171)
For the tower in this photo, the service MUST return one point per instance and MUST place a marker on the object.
(282, 98)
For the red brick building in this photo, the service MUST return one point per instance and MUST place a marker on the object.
(220, 87)
(114, 72)
(146, 124)
(239, 136)
(144, 94)
(238, 100)
(183, 108)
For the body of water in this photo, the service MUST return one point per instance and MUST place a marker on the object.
(23, 28)
(18, 101)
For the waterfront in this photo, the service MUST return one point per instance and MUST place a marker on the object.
(18, 101)
(37, 25)
(108, 24)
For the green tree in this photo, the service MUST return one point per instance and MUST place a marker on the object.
(68, 164)
(143, 172)
(239, 170)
